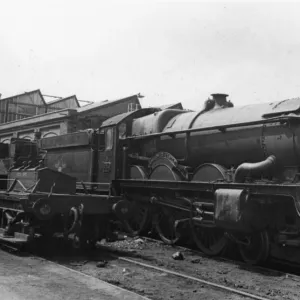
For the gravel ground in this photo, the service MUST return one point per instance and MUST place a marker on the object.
(104, 264)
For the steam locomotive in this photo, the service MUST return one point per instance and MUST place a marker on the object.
(223, 174)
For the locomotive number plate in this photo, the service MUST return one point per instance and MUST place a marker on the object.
(106, 165)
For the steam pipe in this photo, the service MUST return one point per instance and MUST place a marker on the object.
(208, 105)
(219, 100)
(253, 168)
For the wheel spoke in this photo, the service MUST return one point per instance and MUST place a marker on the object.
(257, 251)
(139, 220)
(164, 224)
(210, 241)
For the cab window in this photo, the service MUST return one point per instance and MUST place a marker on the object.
(109, 138)
(101, 140)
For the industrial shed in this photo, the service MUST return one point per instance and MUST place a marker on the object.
(31, 104)
(22, 106)
(68, 102)
(56, 117)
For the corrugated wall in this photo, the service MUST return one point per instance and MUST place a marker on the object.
(21, 106)
(70, 102)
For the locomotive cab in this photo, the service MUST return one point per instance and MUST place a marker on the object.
(106, 153)
(113, 145)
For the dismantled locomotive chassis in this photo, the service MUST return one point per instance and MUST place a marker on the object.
(41, 201)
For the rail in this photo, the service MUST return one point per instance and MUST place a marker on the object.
(209, 283)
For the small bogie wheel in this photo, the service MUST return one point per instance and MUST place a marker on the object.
(139, 220)
(211, 241)
(164, 223)
(255, 248)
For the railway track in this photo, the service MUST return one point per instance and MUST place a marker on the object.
(217, 290)
(274, 267)
(150, 272)
(264, 282)
(71, 268)
(211, 284)
(208, 288)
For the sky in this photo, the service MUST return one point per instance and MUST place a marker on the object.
(169, 51)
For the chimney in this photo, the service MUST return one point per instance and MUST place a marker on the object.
(220, 99)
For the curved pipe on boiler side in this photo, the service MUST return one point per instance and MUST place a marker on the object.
(209, 104)
(253, 168)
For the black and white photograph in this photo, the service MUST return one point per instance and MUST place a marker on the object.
(149, 150)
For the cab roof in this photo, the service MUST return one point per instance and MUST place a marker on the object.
(115, 120)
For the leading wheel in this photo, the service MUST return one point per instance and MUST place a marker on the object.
(255, 248)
